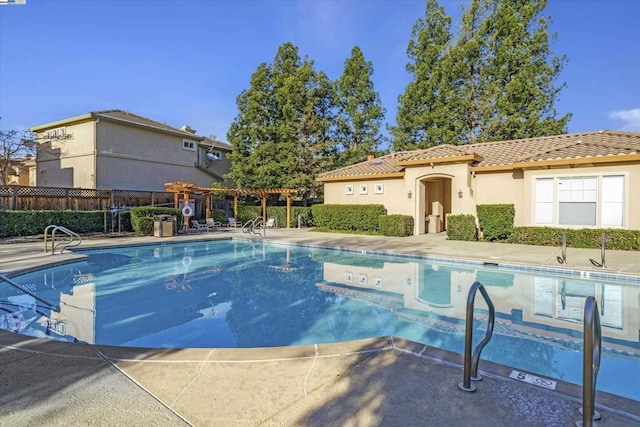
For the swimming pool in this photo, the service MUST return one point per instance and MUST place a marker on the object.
(241, 294)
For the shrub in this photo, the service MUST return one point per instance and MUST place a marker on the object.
(577, 238)
(218, 215)
(28, 223)
(496, 221)
(348, 217)
(395, 225)
(461, 227)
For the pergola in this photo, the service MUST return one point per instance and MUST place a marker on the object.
(184, 189)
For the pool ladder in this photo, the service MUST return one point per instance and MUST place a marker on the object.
(255, 228)
(72, 240)
(590, 362)
(471, 362)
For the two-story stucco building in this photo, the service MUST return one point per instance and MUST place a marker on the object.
(572, 180)
(115, 149)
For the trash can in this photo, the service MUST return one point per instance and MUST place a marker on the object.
(163, 225)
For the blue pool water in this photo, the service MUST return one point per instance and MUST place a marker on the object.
(241, 294)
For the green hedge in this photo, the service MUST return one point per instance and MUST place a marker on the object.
(496, 221)
(396, 225)
(461, 227)
(348, 217)
(577, 238)
(142, 218)
(247, 213)
(29, 223)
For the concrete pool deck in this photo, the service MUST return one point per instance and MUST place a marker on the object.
(376, 382)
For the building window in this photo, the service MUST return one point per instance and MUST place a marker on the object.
(58, 133)
(188, 145)
(577, 200)
(348, 190)
(591, 201)
(363, 189)
(379, 188)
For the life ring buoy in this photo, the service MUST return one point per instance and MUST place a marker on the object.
(187, 211)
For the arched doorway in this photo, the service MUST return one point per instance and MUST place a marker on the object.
(435, 203)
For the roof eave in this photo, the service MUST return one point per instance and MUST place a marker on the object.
(467, 158)
(390, 175)
(58, 123)
(153, 128)
(620, 158)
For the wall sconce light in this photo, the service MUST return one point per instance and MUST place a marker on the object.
(409, 194)
(459, 194)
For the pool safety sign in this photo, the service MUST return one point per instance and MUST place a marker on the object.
(532, 379)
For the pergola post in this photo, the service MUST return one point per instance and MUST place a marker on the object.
(186, 203)
(288, 210)
(264, 208)
(235, 205)
(207, 206)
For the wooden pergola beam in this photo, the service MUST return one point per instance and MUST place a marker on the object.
(186, 188)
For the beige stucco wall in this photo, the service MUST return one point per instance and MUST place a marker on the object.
(136, 158)
(393, 196)
(500, 188)
(69, 162)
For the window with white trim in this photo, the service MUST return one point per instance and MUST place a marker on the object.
(579, 201)
(188, 145)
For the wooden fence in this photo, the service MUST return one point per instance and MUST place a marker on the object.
(17, 197)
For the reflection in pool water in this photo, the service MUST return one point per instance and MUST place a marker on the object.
(241, 294)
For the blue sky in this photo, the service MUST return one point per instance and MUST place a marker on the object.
(185, 62)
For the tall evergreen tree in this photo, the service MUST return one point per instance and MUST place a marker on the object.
(422, 119)
(360, 111)
(281, 132)
(523, 72)
(495, 80)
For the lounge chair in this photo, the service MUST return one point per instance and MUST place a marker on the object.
(231, 222)
(212, 224)
(271, 223)
(197, 226)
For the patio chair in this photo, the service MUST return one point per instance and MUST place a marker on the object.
(197, 226)
(271, 223)
(231, 222)
(212, 224)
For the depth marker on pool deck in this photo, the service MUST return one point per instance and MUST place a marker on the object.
(532, 379)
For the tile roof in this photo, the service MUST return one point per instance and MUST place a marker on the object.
(124, 116)
(586, 145)
(379, 166)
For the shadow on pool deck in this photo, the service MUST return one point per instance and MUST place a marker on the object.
(376, 382)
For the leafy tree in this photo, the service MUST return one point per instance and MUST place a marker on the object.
(13, 151)
(422, 117)
(523, 72)
(281, 133)
(360, 111)
(494, 81)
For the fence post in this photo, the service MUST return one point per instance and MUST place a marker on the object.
(15, 198)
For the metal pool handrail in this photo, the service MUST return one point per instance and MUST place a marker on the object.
(562, 259)
(602, 263)
(471, 363)
(54, 307)
(591, 361)
(67, 243)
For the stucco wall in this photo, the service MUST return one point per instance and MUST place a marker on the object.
(69, 162)
(501, 188)
(136, 158)
(393, 196)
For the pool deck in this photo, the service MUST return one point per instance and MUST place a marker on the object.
(377, 382)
